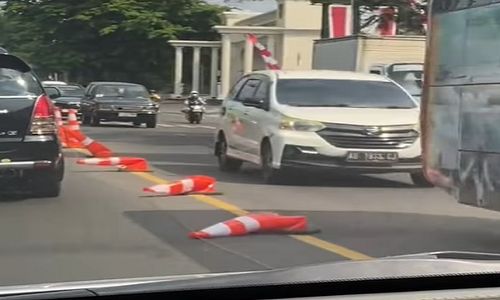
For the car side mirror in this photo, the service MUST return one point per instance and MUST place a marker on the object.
(53, 92)
(253, 102)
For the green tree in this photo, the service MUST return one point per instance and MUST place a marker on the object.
(106, 39)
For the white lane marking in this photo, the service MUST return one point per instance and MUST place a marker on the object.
(176, 163)
(186, 126)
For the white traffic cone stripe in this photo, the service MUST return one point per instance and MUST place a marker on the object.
(115, 160)
(87, 141)
(161, 188)
(187, 185)
(251, 225)
(93, 161)
(219, 229)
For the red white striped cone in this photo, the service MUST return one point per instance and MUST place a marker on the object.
(192, 184)
(256, 223)
(60, 124)
(95, 148)
(130, 164)
(71, 141)
(73, 123)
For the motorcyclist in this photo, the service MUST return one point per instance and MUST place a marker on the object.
(154, 96)
(194, 99)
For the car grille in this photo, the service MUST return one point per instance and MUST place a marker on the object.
(369, 137)
(126, 107)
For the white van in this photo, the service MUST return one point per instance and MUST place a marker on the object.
(354, 122)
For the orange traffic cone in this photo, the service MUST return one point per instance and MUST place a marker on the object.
(73, 123)
(70, 139)
(95, 148)
(256, 223)
(130, 164)
(59, 123)
(192, 184)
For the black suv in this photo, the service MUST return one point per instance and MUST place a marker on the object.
(118, 101)
(30, 152)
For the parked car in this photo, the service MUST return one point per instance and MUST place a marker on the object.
(118, 101)
(347, 121)
(30, 151)
(66, 97)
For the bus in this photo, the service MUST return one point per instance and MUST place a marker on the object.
(460, 119)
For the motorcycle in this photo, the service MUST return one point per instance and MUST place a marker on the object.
(194, 113)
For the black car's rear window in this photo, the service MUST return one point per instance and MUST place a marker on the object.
(122, 91)
(17, 83)
(71, 91)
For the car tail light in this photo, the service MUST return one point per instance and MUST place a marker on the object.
(43, 120)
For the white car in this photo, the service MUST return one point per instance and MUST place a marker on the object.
(285, 120)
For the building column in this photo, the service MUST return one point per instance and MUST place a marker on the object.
(196, 69)
(214, 66)
(271, 42)
(226, 65)
(248, 57)
(178, 71)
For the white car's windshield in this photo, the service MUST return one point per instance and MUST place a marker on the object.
(341, 93)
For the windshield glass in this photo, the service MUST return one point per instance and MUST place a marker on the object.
(16, 83)
(122, 91)
(71, 91)
(410, 79)
(346, 93)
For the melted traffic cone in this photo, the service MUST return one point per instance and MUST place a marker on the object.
(192, 184)
(256, 223)
(131, 164)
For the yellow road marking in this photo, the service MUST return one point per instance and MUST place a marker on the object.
(235, 210)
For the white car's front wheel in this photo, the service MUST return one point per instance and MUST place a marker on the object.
(226, 163)
(270, 174)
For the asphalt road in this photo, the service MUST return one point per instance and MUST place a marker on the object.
(103, 226)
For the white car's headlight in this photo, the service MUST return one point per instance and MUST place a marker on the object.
(288, 123)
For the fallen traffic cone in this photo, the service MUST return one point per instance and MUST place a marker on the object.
(95, 148)
(71, 141)
(256, 223)
(192, 184)
(130, 164)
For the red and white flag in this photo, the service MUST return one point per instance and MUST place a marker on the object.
(340, 20)
(266, 55)
(381, 21)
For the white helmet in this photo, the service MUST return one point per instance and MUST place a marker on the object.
(194, 93)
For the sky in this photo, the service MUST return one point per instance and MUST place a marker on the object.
(252, 5)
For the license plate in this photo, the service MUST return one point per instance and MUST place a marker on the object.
(372, 156)
(128, 115)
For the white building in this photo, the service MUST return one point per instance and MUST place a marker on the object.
(288, 32)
